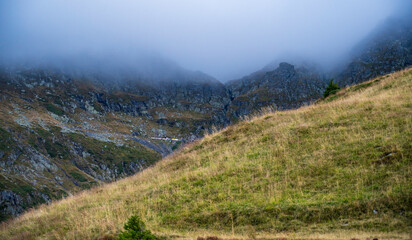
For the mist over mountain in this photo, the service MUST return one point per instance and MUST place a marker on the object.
(95, 91)
(226, 39)
(388, 48)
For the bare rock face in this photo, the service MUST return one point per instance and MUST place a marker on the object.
(11, 204)
(387, 49)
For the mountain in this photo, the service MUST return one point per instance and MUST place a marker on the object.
(285, 87)
(67, 125)
(387, 49)
(63, 132)
(67, 129)
(339, 166)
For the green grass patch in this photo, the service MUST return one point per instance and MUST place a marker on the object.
(79, 177)
(176, 145)
(118, 156)
(23, 189)
(54, 109)
(56, 149)
(5, 140)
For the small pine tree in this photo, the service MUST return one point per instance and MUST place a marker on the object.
(331, 89)
(135, 230)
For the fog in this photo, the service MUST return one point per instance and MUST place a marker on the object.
(223, 38)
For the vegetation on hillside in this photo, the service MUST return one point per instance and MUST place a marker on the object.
(30, 163)
(135, 229)
(339, 165)
(331, 89)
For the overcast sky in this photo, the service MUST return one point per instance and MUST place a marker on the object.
(224, 38)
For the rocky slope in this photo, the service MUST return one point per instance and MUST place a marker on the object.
(285, 87)
(63, 132)
(387, 49)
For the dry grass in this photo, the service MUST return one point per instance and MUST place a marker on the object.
(333, 170)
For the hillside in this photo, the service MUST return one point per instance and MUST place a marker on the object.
(63, 132)
(341, 166)
(69, 125)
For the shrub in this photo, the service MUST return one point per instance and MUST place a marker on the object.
(176, 146)
(54, 109)
(331, 89)
(135, 230)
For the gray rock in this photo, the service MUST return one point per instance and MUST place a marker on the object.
(10, 203)
(387, 49)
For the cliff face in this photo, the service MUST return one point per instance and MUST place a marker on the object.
(202, 96)
(387, 49)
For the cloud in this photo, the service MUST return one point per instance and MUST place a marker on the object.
(226, 39)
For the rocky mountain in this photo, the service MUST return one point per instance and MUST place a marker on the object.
(387, 49)
(63, 132)
(285, 87)
(66, 131)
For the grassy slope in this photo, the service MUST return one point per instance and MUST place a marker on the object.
(341, 164)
